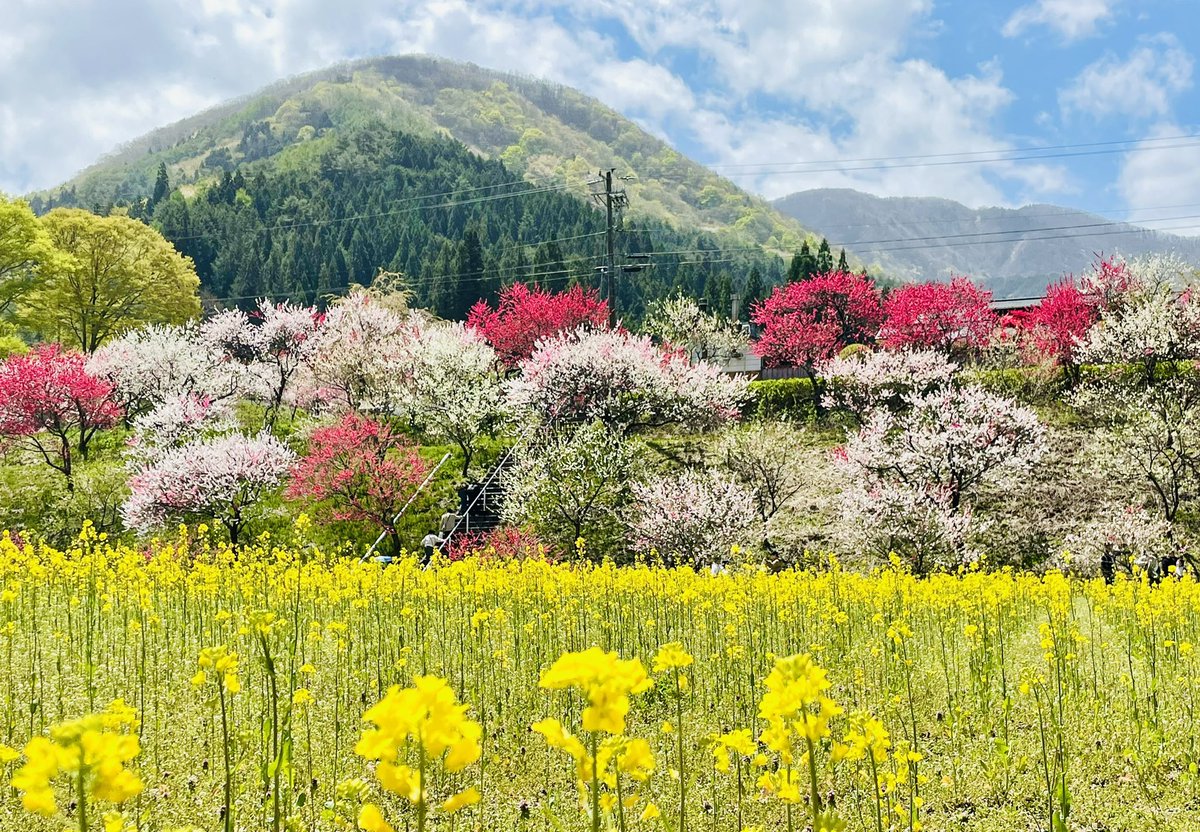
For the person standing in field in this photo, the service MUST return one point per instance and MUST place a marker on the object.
(430, 543)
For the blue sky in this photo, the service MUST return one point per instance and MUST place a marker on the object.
(777, 94)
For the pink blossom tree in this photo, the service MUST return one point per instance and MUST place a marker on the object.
(692, 517)
(524, 315)
(48, 400)
(949, 317)
(912, 475)
(1057, 327)
(221, 478)
(622, 380)
(360, 470)
(807, 323)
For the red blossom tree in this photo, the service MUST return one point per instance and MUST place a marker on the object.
(48, 399)
(524, 315)
(362, 469)
(807, 323)
(501, 543)
(1056, 327)
(941, 316)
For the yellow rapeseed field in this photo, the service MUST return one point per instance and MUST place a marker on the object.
(185, 686)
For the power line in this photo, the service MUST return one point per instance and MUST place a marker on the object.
(410, 210)
(955, 162)
(1019, 215)
(1030, 149)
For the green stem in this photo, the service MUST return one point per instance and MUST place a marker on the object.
(812, 781)
(595, 788)
(679, 746)
(82, 797)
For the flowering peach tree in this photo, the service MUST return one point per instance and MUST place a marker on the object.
(912, 475)
(220, 478)
(692, 517)
(49, 401)
(622, 380)
(525, 315)
(805, 324)
(954, 316)
(360, 470)
(865, 381)
(151, 365)
(272, 343)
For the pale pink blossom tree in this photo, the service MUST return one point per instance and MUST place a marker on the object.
(273, 343)
(220, 478)
(624, 381)
(693, 517)
(865, 381)
(360, 358)
(926, 464)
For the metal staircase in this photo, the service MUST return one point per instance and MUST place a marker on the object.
(480, 504)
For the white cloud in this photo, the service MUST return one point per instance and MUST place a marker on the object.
(1073, 19)
(1160, 175)
(1141, 86)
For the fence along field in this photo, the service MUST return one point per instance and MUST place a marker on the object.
(969, 701)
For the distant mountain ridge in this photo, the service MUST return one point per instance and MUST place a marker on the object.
(1014, 252)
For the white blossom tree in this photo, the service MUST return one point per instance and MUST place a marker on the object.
(571, 484)
(1151, 430)
(155, 364)
(764, 457)
(862, 382)
(220, 478)
(455, 390)
(692, 517)
(680, 322)
(624, 381)
(1145, 320)
(912, 475)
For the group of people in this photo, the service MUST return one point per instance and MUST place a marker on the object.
(436, 539)
(1168, 566)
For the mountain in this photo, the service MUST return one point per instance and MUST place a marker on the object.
(539, 130)
(461, 178)
(1014, 252)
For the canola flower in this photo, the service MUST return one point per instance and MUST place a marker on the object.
(1112, 674)
(607, 681)
(92, 753)
(425, 721)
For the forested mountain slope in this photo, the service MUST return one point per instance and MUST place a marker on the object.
(320, 180)
(321, 215)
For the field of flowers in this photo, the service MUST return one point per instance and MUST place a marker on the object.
(184, 687)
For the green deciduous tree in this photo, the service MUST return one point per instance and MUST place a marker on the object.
(117, 274)
(24, 246)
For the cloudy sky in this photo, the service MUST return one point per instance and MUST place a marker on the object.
(780, 95)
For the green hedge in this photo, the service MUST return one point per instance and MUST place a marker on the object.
(785, 398)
